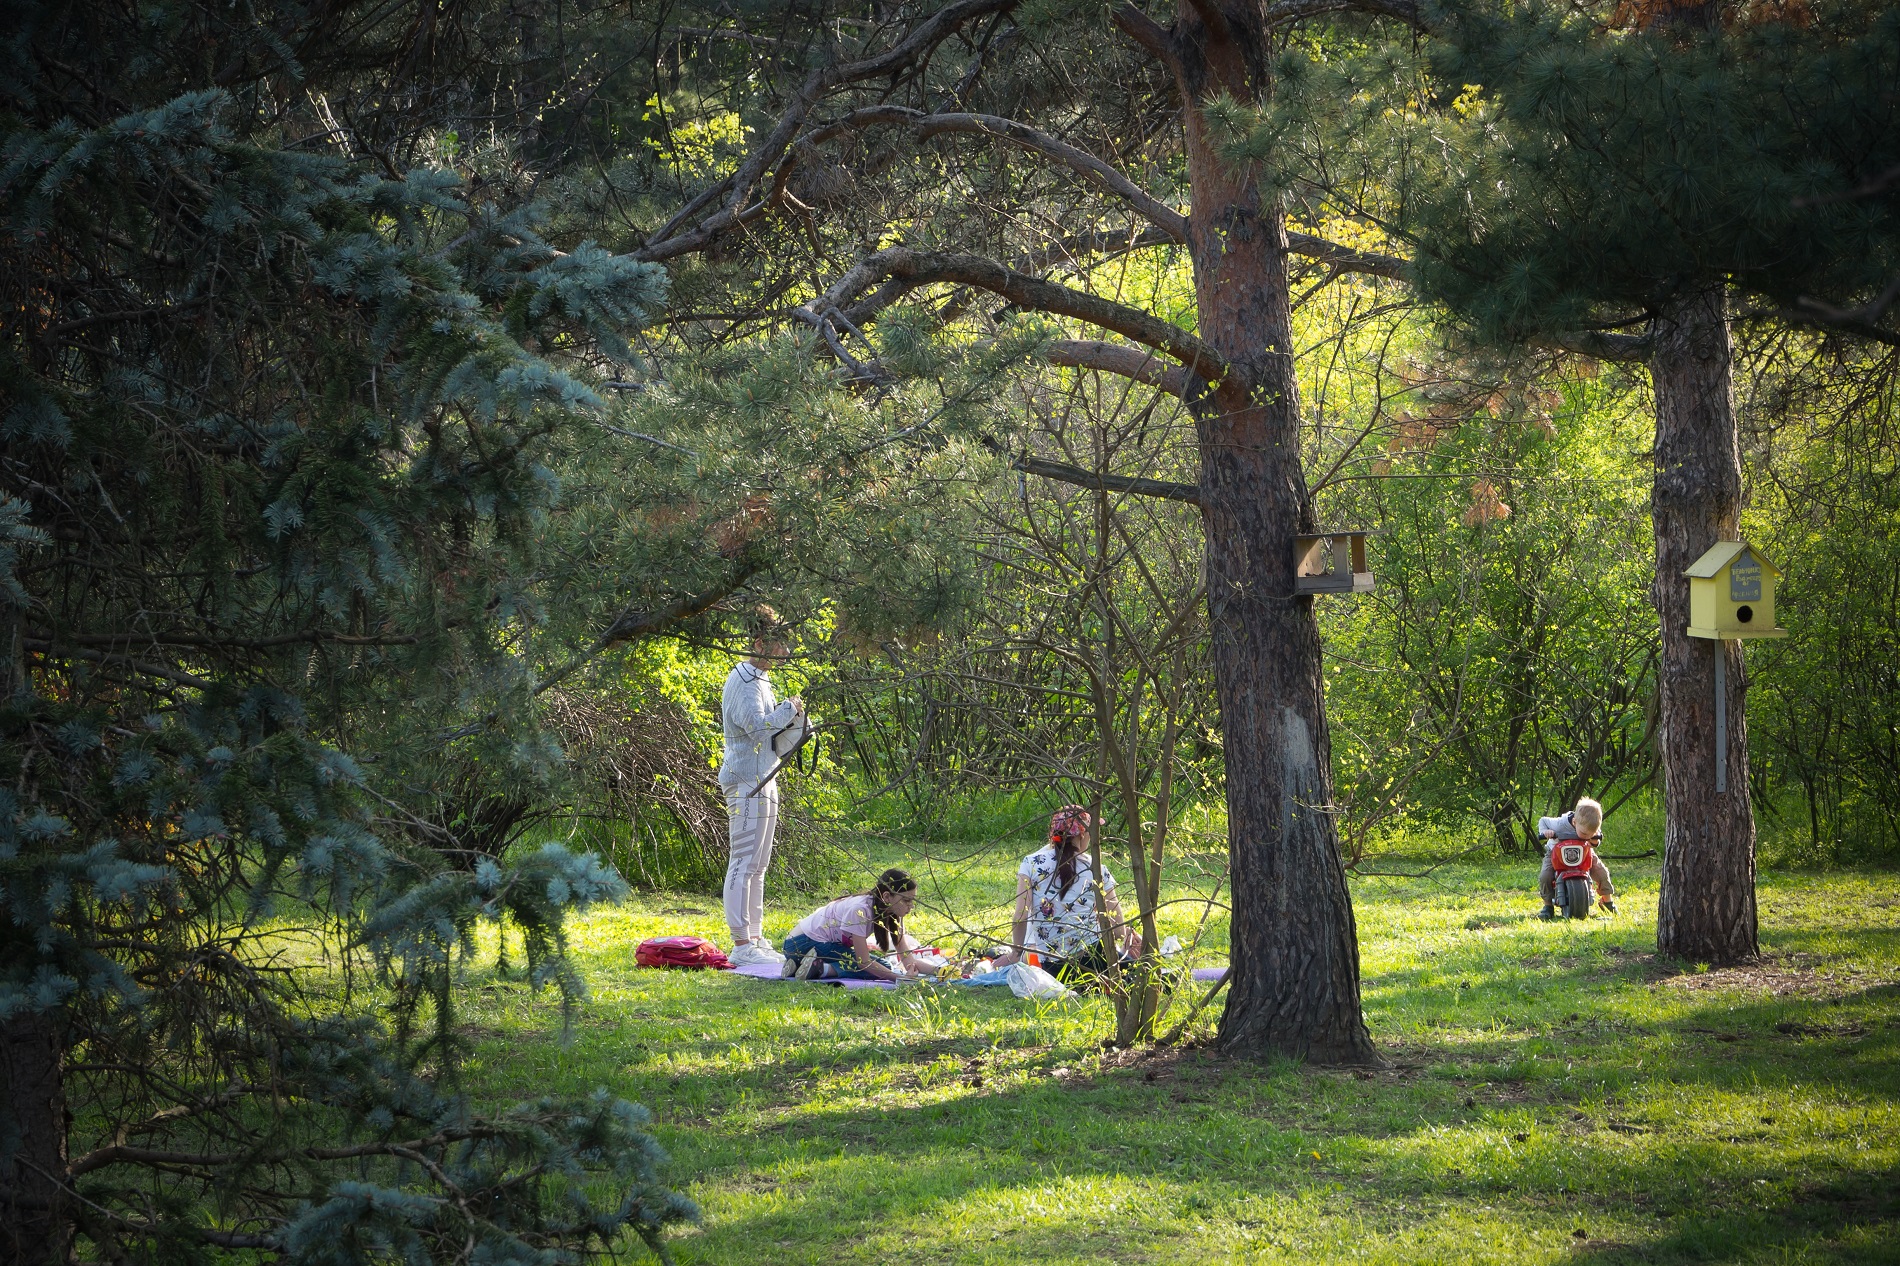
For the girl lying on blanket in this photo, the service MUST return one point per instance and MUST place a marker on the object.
(844, 940)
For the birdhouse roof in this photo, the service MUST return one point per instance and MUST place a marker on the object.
(1721, 554)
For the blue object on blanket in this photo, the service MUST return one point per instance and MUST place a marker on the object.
(985, 978)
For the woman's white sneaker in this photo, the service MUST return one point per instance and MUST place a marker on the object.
(753, 954)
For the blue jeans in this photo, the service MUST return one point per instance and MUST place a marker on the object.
(843, 959)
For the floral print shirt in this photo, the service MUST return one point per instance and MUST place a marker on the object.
(1062, 924)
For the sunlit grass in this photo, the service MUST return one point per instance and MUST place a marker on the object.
(1547, 1080)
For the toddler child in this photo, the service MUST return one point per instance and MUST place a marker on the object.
(1585, 822)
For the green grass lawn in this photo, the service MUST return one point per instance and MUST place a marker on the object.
(1555, 1093)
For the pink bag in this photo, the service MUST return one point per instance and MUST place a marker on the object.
(681, 951)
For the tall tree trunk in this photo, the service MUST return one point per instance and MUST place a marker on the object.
(1295, 950)
(1707, 909)
(33, 1225)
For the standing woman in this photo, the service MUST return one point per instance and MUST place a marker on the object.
(1055, 903)
(751, 714)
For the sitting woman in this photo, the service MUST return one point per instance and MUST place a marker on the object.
(835, 941)
(1055, 904)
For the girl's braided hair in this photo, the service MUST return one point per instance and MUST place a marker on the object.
(886, 927)
(1068, 832)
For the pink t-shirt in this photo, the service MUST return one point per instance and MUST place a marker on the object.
(830, 924)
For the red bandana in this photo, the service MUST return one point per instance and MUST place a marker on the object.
(1070, 819)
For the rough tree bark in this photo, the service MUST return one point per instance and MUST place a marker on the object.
(1707, 907)
(34, 1228)
(1294, 988)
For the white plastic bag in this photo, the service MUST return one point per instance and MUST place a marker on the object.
(1026, 980)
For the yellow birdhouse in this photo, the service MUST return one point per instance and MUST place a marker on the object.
(1732, 593)
(1331, 562)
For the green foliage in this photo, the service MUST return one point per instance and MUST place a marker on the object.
(1824, 704)
(1582, 176)
(352, 457)
(1503, 667)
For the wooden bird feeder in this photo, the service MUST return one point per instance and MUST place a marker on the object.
(1331, 562)
(1731, 597)
(1732, 593)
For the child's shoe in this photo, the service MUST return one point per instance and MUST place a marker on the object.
(1548, 912)
(1608, 903)
(811, 967)
(788, 967)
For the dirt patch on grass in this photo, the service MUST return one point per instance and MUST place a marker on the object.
(1161, 1061)
(1786, 976)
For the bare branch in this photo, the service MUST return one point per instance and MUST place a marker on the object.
(1062, 472)
(1600, 345)
(1343, 259)
(1072, 250)
(222, 643)
(639, 622)
(1861, 329)
(926, 267)
(61, 651)
(1852, 318)
(125, 1154)
(1118, 358)
(1147, 32)
(1166, 489)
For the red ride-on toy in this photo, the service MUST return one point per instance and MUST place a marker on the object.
(1573, 860)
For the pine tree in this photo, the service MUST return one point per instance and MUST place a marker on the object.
(271, 438)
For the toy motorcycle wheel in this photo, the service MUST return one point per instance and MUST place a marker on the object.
(1577, 898)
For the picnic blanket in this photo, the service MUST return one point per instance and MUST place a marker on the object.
(1208, 974)
(770, 971)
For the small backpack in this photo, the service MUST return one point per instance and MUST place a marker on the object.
(681, 951)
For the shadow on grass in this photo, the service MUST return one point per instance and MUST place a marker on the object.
(1852, 1222)
(1188, 1139)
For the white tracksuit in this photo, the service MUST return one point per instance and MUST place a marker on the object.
(751, 714)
